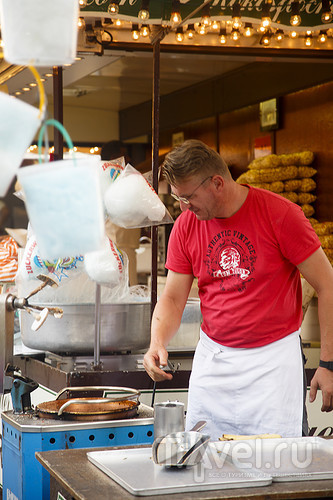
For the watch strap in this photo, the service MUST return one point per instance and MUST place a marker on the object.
(326, 364)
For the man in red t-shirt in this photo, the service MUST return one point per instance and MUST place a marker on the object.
(247, 247)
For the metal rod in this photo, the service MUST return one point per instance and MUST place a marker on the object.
(58, 111)
(97, 340)
(155, 164)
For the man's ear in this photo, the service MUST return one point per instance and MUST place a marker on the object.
(218, 182)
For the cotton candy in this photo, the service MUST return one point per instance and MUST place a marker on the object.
(131, 202)
(105, 266)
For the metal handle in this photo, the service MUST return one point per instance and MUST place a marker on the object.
(133, 392)
(198, 426)
(81, 401)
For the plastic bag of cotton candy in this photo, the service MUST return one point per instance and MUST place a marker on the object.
(130, 201)
(32, 265)
(109, 171)
(108, 265)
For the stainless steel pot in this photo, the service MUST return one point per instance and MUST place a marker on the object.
(124, 327)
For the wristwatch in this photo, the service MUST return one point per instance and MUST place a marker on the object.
(326, 364)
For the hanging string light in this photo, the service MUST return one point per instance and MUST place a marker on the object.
(322, 38)
(81, 24)
(265, 17)
(248, 30)
(113, 7)
(279, 35)
(143, 14)
(144, 31)
(223, 36)
(265, 39)
(215, 26)
(326, 14)
(135, 32)
(235, 35)
(295, 19)
(236, 16)
(308, 40)
(83, 3)
(190, 32)
(206, 19)
(179, 35)
(175, 18)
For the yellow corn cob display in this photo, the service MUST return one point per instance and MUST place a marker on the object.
(306, 172)
(243, 178)
(326, 241)
(292, 185)
(290, 196)
(302, 158)
(275, 187)
(307, 209)
(306, 198)
(307, 185)
(272, 174)
(269, 161)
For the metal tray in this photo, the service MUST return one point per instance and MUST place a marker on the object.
(134, 470)
(285, 459)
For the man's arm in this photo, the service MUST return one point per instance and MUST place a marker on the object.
(318, 271)
(165, 322)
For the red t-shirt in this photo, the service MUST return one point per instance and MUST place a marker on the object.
(249, 285)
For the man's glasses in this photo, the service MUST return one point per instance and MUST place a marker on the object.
(187, 199)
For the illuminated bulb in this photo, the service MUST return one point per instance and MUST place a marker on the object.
(143, 14)
(215, 25)
(75, 148)
(81, 24)
(248, 30)
(236, 16)
(266, 38)
(179, 35)
(78, 58)
(308, 41)
(202, 29)
(48, 75)
(190, 31)
(279, 35)
(223, 36)
(293, 34)
(43, 79)
(175, 13)
(33, 84)
(261, 29)
(26, 89)
(322, 38)
(265, 22)
(295, 19)
(326, 15)
(92, 151)
(206, 19)
(144, 31)
(96, 148)
(118, 23)
(113, 8)
(135, 32)
(83, 3)
(235, 35)
(18, 93)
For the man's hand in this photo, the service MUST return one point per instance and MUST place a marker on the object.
(322, 379)
(154, 358)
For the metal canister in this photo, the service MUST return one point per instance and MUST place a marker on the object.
(168, 417)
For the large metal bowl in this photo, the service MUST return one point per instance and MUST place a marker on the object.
(124, 327)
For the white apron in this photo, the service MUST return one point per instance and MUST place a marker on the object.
(247, 390)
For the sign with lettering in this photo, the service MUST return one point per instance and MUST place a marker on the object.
(221, 10)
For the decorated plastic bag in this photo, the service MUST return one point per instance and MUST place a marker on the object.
(8, 258)
(109, 171)
(64, 203)
(130, 201)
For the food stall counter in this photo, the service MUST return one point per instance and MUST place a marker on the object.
(73, 476)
